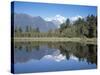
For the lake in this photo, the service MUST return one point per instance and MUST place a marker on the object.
(30, 57)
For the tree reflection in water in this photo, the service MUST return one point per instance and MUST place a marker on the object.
(36, 50)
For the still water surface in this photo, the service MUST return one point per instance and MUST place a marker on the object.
(42, 57)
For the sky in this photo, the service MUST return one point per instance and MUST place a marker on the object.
(49, 11)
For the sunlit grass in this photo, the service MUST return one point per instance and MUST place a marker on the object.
(56, 39)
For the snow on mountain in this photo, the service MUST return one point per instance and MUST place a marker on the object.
(57, 19)
(44, 24)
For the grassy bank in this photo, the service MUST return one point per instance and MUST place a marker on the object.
(55, 39)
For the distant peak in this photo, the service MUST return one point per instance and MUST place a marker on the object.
(58, 17)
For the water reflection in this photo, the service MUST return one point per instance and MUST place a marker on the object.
(55, 56)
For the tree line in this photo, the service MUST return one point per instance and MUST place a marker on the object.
(82, 27)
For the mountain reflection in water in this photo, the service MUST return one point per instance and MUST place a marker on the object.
(49, 56)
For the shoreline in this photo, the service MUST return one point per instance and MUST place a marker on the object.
(55, 39)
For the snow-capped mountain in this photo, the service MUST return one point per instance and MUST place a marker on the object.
(57, 20)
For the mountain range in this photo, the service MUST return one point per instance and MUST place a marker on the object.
(23, 20)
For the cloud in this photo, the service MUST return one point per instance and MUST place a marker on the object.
(56, 58)
(75, 17)
(62, 19)
(58, 17)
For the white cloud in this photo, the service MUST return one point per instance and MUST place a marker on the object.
(75, 17)
(62, 19)
(57, 58)
(58, 17)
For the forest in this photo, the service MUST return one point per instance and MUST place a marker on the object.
(82, 27)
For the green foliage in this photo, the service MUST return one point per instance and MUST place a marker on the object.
(82, 27)
(92, 25)
(67, 23)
